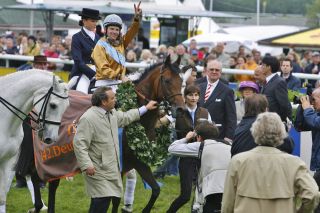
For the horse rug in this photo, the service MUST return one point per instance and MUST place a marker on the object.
(57, 160)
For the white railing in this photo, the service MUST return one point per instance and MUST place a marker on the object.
(8, 57)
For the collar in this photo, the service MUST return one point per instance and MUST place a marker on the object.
(213, 84)
(91, 34)
(269, 77)
(191, 110)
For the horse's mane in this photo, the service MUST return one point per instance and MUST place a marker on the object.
(174, 67)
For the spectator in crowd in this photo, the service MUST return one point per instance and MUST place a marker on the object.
(187, 120)
(161, 53)
(259, 77)
(214, 159)
(218, 98)
(22, 44)
(241, 63)
(195, 58)
(193, 46)
(131, 57)
(51, 52)
(296, 68)
(204, 73)
(250, 64)
(146, 58)
(306, 60)
(83, 42)
(246, 89)
(99, 30)
(243, 140)
(311, 109)
(33, 47)
(10, 48)
(276, 88)
(143, 39)
(293, 83)
(233, 62)
(265, 179)
(96, 135)
(218, 50)
(108, 54)
(314, 67)
(256, 56)
(241, 51)
(181, 52)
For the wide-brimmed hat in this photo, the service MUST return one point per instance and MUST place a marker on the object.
(90, 13)
(40, 59)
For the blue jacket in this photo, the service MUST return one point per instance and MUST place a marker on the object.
(293, 83)
(312, 118)
(81, 49)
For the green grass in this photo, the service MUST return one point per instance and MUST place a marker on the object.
(71, 197)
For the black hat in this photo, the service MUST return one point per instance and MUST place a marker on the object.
(40, 59)
(90, 13)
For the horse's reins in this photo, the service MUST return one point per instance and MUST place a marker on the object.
(43, 110)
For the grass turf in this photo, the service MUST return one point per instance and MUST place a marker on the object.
(71, 197)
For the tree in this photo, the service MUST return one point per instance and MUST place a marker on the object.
(313, 14)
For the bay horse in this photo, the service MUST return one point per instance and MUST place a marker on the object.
(20, 92)
(160, 82)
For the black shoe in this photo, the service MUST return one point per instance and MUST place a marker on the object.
(42, 185)
(20, 185)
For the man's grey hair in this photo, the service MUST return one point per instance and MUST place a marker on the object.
(268, 129)
(99, 95)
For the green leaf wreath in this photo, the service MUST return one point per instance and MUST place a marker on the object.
(149, 152)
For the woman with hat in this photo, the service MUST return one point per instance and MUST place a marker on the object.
(82, 45)
(108, 54)
(246, 89)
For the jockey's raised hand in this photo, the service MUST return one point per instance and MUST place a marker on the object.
(137, 12)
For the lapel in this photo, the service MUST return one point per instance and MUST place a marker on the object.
(215, 93)
(269, 83)
(87, 38)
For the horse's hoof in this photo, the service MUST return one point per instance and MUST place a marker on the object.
(33, 210)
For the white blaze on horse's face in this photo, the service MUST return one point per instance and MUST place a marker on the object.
(54, 110)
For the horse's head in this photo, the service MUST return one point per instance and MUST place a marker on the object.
(50, 104)
(170, 84)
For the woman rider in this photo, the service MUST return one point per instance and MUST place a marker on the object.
(108, 54)
(82, 45)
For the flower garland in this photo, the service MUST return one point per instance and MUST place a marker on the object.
(149, 152)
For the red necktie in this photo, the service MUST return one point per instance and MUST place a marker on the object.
(208, 91)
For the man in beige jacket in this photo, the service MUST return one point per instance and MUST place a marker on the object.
(96, 147)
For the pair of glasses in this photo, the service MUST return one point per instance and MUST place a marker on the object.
(214, 70)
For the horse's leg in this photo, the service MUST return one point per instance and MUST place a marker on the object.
(37, 194)
(146, 174)
(53, 185)
(6, 177)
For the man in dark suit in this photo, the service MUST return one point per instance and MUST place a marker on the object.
(82, 45)
(218, 98)
(275, 89)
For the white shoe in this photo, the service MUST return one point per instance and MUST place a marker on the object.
(127, 208)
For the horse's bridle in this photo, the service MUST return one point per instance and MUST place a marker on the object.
(43, 109)
(17, 112)
(166, 96)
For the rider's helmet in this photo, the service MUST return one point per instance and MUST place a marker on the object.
(112, 20)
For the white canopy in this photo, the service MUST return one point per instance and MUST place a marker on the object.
(232, 42)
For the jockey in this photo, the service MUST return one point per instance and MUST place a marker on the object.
(109, 52)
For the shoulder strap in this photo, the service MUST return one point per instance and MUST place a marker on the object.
(110, 50)
(199, 166)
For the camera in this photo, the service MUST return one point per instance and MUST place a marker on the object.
(296, 99)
